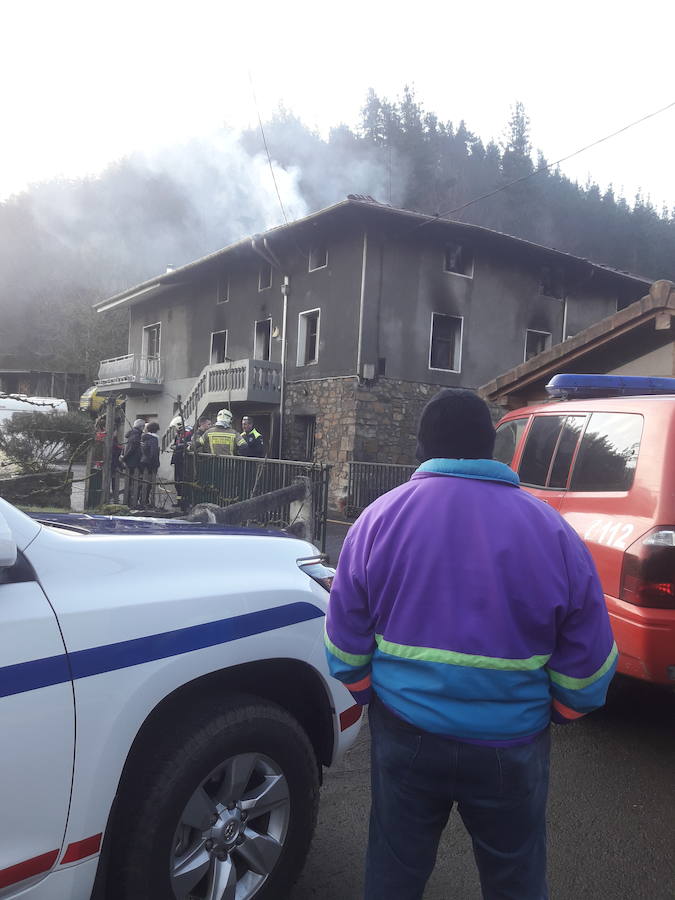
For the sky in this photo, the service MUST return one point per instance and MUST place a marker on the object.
(86, 83)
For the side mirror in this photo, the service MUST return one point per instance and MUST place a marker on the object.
(7, 546)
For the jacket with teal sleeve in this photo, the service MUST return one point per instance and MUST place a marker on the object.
(470, 607)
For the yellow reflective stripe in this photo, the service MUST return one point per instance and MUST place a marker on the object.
(576, 684)
(453, 658)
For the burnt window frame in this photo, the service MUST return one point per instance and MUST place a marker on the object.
(463, 249)
(265, 267)
(551, 282)
(460, 319)
(528, 332)
(257, 322)
(223, 296)
(312, 250)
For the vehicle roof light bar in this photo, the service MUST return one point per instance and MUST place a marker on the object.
(566, 386)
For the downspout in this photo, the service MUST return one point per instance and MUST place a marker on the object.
(285, 287)
(270, 256)
(359, 351)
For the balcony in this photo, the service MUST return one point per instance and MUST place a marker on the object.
(129, 373)
(239, 380)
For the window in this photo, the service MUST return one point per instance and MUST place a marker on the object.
(263, 339)
(569, 438)
(218, 347)
(508, 438)
(306, 431)
(223, 290)
(542, 441)
(551, 282)
(308, 337)
(536, 342)
(458, 260)
(549, 451)
(151, 340)
(445, 351)
(265, 277)
(318, 258)
(608, 453)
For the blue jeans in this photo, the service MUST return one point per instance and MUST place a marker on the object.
(500, 794)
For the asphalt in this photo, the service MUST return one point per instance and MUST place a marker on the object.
(611, 814)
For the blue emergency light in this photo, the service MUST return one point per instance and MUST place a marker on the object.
(577, 386)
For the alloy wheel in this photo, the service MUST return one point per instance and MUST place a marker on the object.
(231, 831)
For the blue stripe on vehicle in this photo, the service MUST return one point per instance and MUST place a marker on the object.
(40, 673)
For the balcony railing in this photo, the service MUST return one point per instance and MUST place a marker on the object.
(132, 368)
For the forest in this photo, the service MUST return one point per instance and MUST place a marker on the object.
(64, 244)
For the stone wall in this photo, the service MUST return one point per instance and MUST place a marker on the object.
(332, 402)
(369, 422)
(387, 415)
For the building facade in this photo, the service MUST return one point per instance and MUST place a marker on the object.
(637, 340)
(333, 331)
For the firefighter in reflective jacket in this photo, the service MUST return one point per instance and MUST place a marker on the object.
(221, 439)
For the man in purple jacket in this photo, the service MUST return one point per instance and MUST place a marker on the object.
(469, 615)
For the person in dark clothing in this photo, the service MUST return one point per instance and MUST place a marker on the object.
(131, 457)
(469, 615)
(149, 459)
(115, 468)
(181, 442)
(255, 446)
(203, 423)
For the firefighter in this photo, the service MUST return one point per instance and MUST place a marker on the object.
(221, 439)
(255, 445)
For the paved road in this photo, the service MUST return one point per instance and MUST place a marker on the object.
(611, 809)
(611, 812)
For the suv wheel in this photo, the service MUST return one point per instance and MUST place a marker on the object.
(225, 812)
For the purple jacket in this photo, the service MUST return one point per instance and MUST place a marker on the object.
(470, 607)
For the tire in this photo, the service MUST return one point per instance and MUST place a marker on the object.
(228, 802)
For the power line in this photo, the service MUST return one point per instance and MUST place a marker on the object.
(267, 151)
(541, 169)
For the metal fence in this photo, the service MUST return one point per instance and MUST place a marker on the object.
(368, 481)
(93, 490)
(228, 479)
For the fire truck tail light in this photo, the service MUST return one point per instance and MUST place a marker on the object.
(648, 573)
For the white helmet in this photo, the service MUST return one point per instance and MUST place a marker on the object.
(176, 421)
(224, 417)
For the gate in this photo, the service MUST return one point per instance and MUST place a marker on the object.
(229, 479)
(368, 481)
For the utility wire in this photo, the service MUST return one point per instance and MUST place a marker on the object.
(267, 151)
(550, 165)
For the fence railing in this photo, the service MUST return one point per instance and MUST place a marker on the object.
(224, 480)
(230, 479)
(132, 367)
(368, 481)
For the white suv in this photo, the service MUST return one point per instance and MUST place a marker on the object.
(165, 709)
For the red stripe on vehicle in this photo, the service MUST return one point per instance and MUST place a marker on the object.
(82, 849)
(28, 869)
(350, 716)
